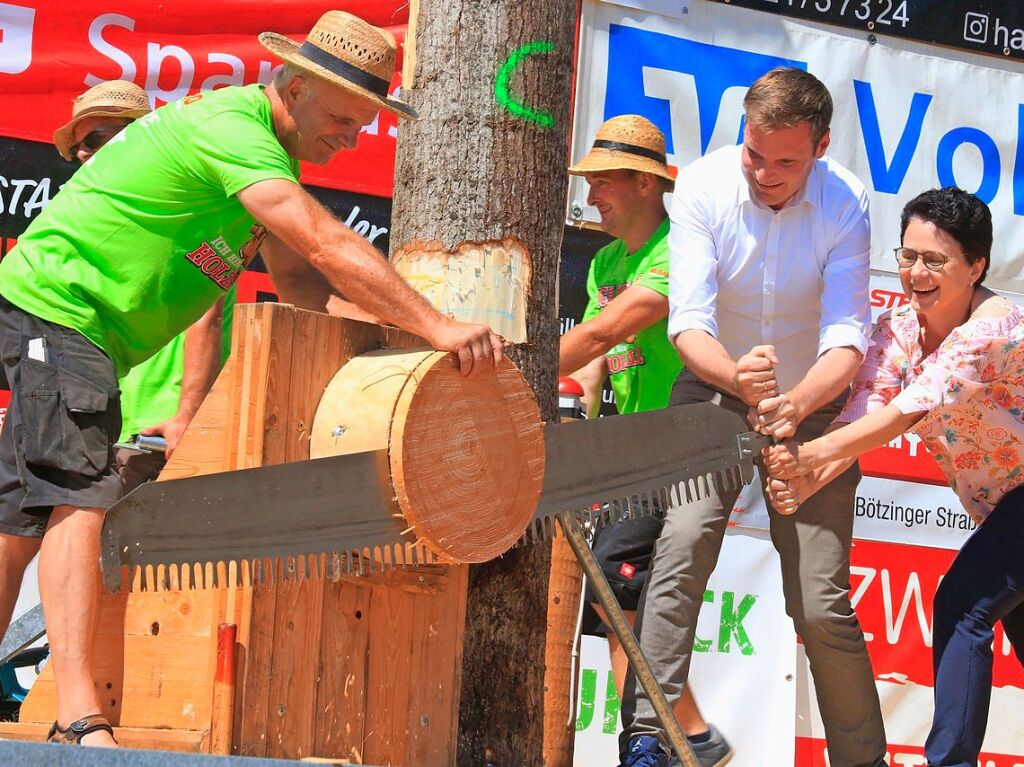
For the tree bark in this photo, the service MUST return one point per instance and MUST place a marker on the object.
(485, 164)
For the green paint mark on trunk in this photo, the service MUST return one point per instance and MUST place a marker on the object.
(501, 84)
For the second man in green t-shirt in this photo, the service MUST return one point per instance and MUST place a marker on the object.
(624, 337)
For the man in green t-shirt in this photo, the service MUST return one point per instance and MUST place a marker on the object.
(141, 242)
(624, 336)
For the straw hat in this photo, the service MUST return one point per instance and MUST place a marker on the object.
(348, 52)
(116, 98)
(626, 142)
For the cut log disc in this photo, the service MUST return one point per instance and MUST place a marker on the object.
(466, 454)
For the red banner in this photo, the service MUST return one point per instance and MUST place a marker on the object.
(52, 50)
(892, 587)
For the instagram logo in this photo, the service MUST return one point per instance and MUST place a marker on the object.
(16, 23)
(976, 27)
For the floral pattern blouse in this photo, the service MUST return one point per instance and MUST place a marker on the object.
(972, 387)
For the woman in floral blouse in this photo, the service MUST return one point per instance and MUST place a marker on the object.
(949, 366)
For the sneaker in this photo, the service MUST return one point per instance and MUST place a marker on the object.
(713, 752)
(645, 751)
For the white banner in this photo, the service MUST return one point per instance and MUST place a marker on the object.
(908, 117)
(744, 660)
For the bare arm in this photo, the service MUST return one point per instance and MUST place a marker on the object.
(591, 377)
(790, 459)
(631, 311)
(751, 378)
(295, 279)
(827, 379)
(202, 363)
(355, 269)
(708, 360)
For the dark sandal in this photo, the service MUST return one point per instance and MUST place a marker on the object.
(73, 734)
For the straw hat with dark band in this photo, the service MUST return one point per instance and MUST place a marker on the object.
(348, 52)
(626, 142)
(116, 98)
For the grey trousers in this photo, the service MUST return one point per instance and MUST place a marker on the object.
(814, 548)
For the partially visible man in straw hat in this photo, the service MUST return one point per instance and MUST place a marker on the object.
(135, 248)
(158, 394)
(97, 116)
(624, 336)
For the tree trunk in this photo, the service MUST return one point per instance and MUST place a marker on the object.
(486, 163)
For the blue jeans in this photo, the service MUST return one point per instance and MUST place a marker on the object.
(985, 584)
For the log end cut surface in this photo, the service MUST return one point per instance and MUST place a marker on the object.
(467, 458)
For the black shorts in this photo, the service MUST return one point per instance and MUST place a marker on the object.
(624, 551)
(56, 445)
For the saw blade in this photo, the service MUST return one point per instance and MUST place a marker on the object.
(610, 469)
(340, 507)
(334, 516)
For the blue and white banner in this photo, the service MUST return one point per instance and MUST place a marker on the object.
(908, 116)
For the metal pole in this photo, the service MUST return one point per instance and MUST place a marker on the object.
(619, 625)
(21, 633)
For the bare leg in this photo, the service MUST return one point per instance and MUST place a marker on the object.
(69, 584)
(685, 708)
(16, 552)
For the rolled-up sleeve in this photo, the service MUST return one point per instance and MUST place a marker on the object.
(845, 313)
(880, 376)
(693, 265)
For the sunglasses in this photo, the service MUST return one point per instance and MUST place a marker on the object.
(95, 139)
(933, 261)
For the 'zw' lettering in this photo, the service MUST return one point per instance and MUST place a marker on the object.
(213, 266)
(619, 362)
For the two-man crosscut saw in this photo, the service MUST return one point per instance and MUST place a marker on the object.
(342, 509)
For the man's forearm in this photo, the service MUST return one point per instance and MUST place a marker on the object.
(578, 348)
(202, 361)
(373, 285)
(311, 291)
(591, 378)
(826, 380)
(706, 358)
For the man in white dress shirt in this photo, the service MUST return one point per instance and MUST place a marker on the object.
(768, 293)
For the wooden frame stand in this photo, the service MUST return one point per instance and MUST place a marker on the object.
(366, 668)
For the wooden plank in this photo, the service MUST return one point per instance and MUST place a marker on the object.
(388, 675)
(159, 634)
(435, 663)
(253, 400)
(202, 447)
(187, 741)
(241, 342)
(167, 613)
(293, 684)
(278, 368)
(341, 695)
(148, 681)
(254, 695)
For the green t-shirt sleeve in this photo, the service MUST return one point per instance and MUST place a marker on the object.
(593, 307)
(654, 272)
(236, 150)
